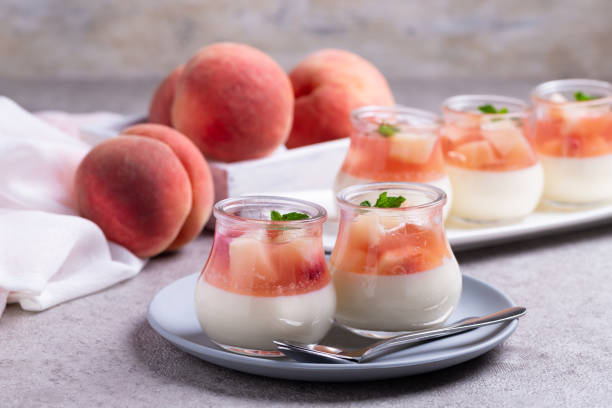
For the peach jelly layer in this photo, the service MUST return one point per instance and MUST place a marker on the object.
(277, 264)
(402, 156)
(387, 245)
(574, 133)
(497, 145)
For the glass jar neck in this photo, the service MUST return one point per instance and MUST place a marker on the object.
(385, 120)
(468, 109)
(256, 213)
(566, 88)
(420, 200)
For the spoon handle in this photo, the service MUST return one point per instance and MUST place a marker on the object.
(399, 342)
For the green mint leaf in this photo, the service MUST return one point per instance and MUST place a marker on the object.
(487, 109)
(384, 201)
(490, 109)
(581, 96)
(292, 216)
(365, 203)
(387, 129)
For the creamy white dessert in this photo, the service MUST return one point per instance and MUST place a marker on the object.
(410, 301)
(577, 180)
(253, 322)
(490, 196)
(344, 180)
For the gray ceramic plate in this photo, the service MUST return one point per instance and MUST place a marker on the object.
(171, 314)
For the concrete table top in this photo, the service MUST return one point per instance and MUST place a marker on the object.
(100, 351)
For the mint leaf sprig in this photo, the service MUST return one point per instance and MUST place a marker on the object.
(387, 130)
(384, 201)
(490, 109)
(582, 96)
(292, 216)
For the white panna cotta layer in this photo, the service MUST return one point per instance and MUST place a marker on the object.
(577, 180)
(253, 322)
(491, 196)
(398, 302)
(344, 180)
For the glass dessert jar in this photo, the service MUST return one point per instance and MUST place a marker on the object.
(394, 143)
(392, 267)
(573, 135)
(265, 279)
(492, 165)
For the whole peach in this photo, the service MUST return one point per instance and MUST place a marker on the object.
(136, 190)
(199, 176)
(234, 102)
(161, 104)
(328, 85)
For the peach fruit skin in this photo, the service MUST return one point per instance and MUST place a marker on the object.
(328, 85)
(161, 104)
(234, 102)
(136, 190)
(202, 189)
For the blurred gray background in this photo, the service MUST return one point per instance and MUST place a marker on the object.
(109, 54)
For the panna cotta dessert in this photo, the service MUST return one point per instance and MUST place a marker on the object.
(394, 143)
(573, 135)
(266, 277)
(392, 266)
(492, 165)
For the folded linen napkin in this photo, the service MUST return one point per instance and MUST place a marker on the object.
(48, 254)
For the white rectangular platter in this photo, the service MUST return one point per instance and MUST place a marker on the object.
(308, 173)
(542, 222)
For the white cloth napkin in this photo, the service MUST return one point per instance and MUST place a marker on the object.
(48, 254)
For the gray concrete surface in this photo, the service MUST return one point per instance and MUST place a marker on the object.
(99, 350)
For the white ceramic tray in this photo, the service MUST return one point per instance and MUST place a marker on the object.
(544, 221)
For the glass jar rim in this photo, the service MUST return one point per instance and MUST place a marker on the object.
(437, 196)
(575, 84)
(431, 120)
(449, 105)
(318, 214)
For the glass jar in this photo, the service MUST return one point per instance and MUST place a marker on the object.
(573, 135)
(393, 268)
(492, 165)
(265, 280)
(394, 143)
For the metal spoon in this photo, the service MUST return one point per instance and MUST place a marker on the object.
(327, 354)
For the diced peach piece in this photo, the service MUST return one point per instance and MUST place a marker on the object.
(353, 260)
(412, 147)
(294, 254)
(520, 154)
(389, 222)
(249, 262)
(503, 136)
(477, 154)
(409, 259)
(405, 235)
(364, 231)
